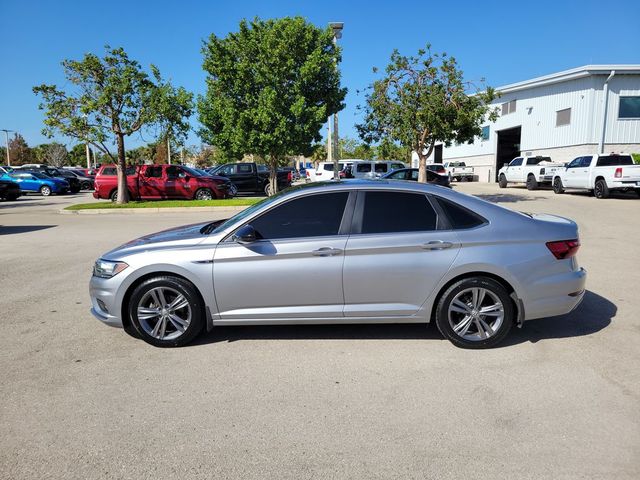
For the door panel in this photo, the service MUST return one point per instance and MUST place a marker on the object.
(280, 279)
(393, 274)
(571, 173)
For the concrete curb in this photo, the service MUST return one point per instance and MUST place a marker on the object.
(142, 211)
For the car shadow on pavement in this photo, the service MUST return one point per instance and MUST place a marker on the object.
(503, 197)
(15, 229)
(593, 314)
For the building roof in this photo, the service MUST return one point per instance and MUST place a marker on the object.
(572, 74)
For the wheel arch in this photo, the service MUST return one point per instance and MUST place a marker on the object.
(515, 300)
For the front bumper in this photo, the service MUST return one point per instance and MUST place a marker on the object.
(104, 304)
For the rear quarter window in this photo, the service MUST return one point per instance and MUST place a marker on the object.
(460, 217)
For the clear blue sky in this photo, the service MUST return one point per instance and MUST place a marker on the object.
(503, 42)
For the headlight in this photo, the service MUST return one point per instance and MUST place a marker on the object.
(107, 269)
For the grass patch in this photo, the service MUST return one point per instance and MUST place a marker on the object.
(230, 202)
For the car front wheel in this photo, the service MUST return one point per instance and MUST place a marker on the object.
(502, 181)
(45, 191)
(203, 194)
(475, 313)
(166, 311)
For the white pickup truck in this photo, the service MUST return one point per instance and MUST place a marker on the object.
(600, 174)
(532, 171)
(459, 171)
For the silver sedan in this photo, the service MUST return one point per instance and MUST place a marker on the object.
(346, 252)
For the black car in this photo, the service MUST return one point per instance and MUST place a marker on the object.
(74, 183)
(412, 174)
(9, 190)
(251, 178)
(86, 182)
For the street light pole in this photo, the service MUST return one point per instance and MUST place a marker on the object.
(6, 138)
(86, 149)
(334, 139)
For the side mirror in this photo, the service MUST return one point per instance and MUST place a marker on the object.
(187, 177)
(245, 234)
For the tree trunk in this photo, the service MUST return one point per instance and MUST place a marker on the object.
(422, 164)
(123, 192)
(273, 175)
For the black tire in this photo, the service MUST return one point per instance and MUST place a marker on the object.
(532, 183)
(194, 300)
(86, 186)
(557, 185)
(114, 196)
(267, 189)
(488, 284)
(637, 190)
(45, 190)
(502, 181)
(203, 194)
(601, 190)
(75, 189)
(12, 198)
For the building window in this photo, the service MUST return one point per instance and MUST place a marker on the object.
(508, 107)
(629, 107)
(485, 133)
(563, 117)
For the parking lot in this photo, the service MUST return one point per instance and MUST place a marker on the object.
(559, 399)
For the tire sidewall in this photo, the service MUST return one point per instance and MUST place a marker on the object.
(44, 189)
(604, 193)
(442, 312)
(557, 185)
(203, 190)
(502, 181)
(185, 288)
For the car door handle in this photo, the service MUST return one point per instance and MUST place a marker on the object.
(326, 252)
(436, 245)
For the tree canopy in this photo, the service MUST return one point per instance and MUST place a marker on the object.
(422, 100)
(109, 99)
(270, 88)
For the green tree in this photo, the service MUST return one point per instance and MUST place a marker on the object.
(270, 88)
(390, 150)
(422, 100)
(109, 99)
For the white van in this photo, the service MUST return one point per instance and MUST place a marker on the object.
(374, 168)
(324, 171)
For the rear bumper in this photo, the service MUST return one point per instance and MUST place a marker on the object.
(635, 183)
(563, 293)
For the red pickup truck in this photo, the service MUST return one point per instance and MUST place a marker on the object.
(153, 182)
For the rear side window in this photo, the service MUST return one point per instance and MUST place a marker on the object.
(389, 212)
(154, 172)
(381, 168)
(328, 167)
(310, 216)
(614, 160)
(460, 217)
(363, 167)
(112, 171)
(244, 168)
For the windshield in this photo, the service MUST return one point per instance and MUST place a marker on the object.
(192, 171)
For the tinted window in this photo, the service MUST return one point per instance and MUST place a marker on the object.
(112, 171)
(387, 212)
(328, 167)
(575, 162)
(363, 167)
(226, 170)
(396, 166)
(586, 161)
(537, 160)
(516, 162)
(310, 216)
(629, 107)
(401, 175)
(460, 217)
(173, 172)
(154, 172)
(381, 168)
(244, 169)
(614, 160)
(414, 175)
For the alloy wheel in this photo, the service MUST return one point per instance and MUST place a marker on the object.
(164, 313)
(204, 194)
(476, 314)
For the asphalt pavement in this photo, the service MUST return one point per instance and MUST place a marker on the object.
(560, 399)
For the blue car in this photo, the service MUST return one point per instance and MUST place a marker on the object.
(38, 182)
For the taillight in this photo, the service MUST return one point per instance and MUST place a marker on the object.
(564, 248)
(307, 173)
(618, 173)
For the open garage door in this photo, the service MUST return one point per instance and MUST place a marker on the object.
(508, 147)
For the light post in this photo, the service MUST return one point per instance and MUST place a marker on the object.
(333, 139)
(6, 138)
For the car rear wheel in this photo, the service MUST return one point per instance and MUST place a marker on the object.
(203, 194)
(601, 190)
(45, 191)
(475, 313)
(86, 186)
(557, 185)
(502, 181)
(532, 183)
(166, 311)
(267, 189)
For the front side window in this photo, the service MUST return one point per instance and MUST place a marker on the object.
(310, 216)
(516, 162)
(629, 107)
(400, 175)
(173, 172)
(363, 167)
(226, 170)
(154, 172)
(395, 212)
(575, 162)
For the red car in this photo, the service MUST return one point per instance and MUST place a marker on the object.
(155, 182)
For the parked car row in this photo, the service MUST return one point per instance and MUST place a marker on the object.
(599, 173)
(46, 180)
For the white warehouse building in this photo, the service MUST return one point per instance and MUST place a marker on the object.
(585, 110)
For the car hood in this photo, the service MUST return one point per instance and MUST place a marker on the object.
(174, 237)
